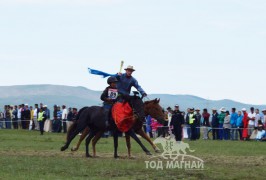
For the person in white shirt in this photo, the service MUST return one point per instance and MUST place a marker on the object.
(64, 118)
(263, 120)
(251, 122)
(35, 117)
(257, 118)
(19, 116)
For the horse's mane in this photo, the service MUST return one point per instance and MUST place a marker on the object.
(152, 101)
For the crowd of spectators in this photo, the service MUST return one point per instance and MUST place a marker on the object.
(219, 125)
(37, 117)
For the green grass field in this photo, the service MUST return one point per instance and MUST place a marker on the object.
(27, 155)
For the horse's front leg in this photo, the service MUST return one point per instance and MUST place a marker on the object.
(115, 136)
(128, 145)
(146, 137)
(134, 136)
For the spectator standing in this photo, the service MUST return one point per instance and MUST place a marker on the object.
(198, 122)
(192, 123)
(47, 122)
(19, 116)
(74, 114)
(148, 126)
(31, 126)
(233, 119)
(257, 118)
(227, 125)
(221, 123)
(27, 115)
(41, 119)
(177, 122)
(59, 120)
(69, 118)
(35, 117)
(239, 124)
(206, 123)
(64, 118)
(215, 124)
(169, 113)
(8, 117)
(263, 120)
(55, 119)
(1, 120)
(245, 124)
(187, 124)
(251, 122)
(23, 126)
(15, 117)
(165, 125)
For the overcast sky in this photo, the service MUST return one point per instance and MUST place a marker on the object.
(215, 49)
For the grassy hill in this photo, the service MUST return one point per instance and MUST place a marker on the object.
(81, 96)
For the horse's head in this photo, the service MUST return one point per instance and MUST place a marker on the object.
(154, 109)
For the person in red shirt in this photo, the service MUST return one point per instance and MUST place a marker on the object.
(245, 124)
(206, 123)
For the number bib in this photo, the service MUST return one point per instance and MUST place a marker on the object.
(112, 93)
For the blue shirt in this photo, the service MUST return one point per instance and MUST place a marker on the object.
(239, 121)
(59, 114)
(125, 83)
(233, 118)
(148, 124)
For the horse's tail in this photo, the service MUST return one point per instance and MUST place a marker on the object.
(72, 128)
(78, 126)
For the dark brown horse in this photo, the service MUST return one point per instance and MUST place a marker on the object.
(151, 108)
(95, 118)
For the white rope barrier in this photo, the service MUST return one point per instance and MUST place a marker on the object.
(188, 127)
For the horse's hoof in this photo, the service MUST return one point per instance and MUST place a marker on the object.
(116, 156)
(157, 150)
(88, 156)
(74, 149)
(132, 157)
(148, 153)
(63, 148)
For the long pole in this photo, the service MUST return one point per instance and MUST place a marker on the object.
(121, 66)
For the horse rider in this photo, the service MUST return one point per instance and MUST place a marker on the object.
(109, 95)
(126, 81)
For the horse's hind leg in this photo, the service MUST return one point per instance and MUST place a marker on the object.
(134, 136)
(88, 140)
(145, 136)
(95, 140)
(82, 137)
(128, 145)
(71, 137)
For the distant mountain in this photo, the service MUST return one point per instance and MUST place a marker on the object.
(81, 96)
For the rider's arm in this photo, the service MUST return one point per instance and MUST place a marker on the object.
(138, 87)
(104, 95)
